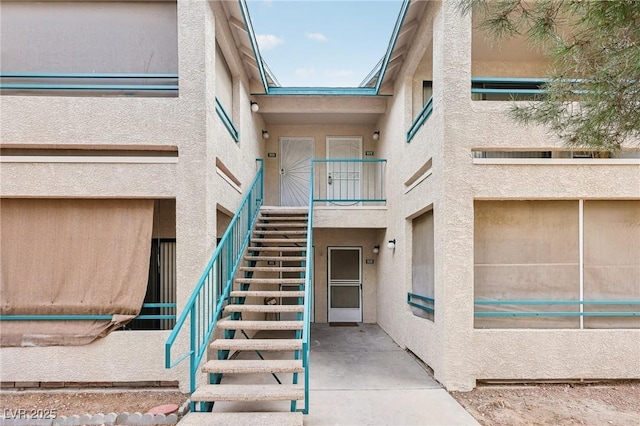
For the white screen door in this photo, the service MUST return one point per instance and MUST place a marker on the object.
(344, 178)
(295, 170)
(345, 284)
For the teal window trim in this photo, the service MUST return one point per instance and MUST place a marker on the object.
(422, 301)
(226, 120)
(323, 91)
(420, 119)
(86, 86)
(556, 303)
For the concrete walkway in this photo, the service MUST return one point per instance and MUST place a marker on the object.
(359, 376)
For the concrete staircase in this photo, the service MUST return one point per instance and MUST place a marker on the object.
(268, 296)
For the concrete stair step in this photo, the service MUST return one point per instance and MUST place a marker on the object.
(280, 232)
(256, 344)
(283, 210)
(227, 324)
(272, 268)
(253, 366)
(276, 258)
(267, 293)
(277, 249)
(286, 281)
(248, 393)
(243, 418)
(279, 240)
(282, 219)
(282, 225)
(269, 309)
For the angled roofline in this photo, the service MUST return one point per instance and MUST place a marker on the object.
(392, 42)
(254, 43)
(306, 91)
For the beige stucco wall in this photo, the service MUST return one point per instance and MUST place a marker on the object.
(188, 122)
(364, 238)
(459, 354)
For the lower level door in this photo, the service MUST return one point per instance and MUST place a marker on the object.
(345, 284)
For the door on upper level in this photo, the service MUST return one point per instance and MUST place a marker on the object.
(344, 177)
(295, 170)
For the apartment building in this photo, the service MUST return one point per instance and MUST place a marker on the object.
(129, 142)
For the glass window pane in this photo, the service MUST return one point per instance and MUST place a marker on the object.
(345, 264)
(345, 297)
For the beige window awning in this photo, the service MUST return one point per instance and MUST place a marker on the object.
(71, 257)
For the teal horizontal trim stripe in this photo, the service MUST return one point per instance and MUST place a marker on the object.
(323, 91)
(420, 119)
(349, 160)
(557, 314)
(507, 90)
(156, 317)
(226, 120)
(508, 80)
(84, 75)
(158, 305)
(557, 302)
(54, 317)
(351, 200)
(34, 86)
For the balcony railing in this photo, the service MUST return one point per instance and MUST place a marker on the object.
(349, 181)
(89, 84)
(506, 89)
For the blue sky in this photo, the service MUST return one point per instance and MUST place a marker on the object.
(323, 43)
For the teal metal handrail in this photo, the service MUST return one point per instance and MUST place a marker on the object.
(214, 286)
(429, 300)
(582, 303)
(61, 81)
(348, 180)
(226, 120)
(420, 119)
(90, 317)
(308, 282)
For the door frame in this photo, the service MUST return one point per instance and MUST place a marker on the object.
(359, 284)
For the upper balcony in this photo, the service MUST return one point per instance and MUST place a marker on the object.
(349, 193)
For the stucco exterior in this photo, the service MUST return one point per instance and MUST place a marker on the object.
(435, 170)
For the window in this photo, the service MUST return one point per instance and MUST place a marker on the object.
(557, 264)
(427, 91)
(422, 266)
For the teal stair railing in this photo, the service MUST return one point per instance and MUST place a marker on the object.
(308, 283)
(212, 292)
(420, 119)
(348, 181)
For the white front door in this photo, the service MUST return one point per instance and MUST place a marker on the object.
(295, 170)
(345, 284)
(344, 177)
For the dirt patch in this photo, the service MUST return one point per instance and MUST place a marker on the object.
(68, 402)
(554, 404)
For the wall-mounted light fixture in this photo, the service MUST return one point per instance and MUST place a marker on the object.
(376, 135)
(254, 106)
(376, 249)
(392, 244)
(265, 134)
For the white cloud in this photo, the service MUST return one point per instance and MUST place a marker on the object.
(304, 72)
(316, 36)
(339, 73)
(268, 41)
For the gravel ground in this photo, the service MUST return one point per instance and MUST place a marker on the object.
(554, 404)
(594, 404)
(70, 402)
